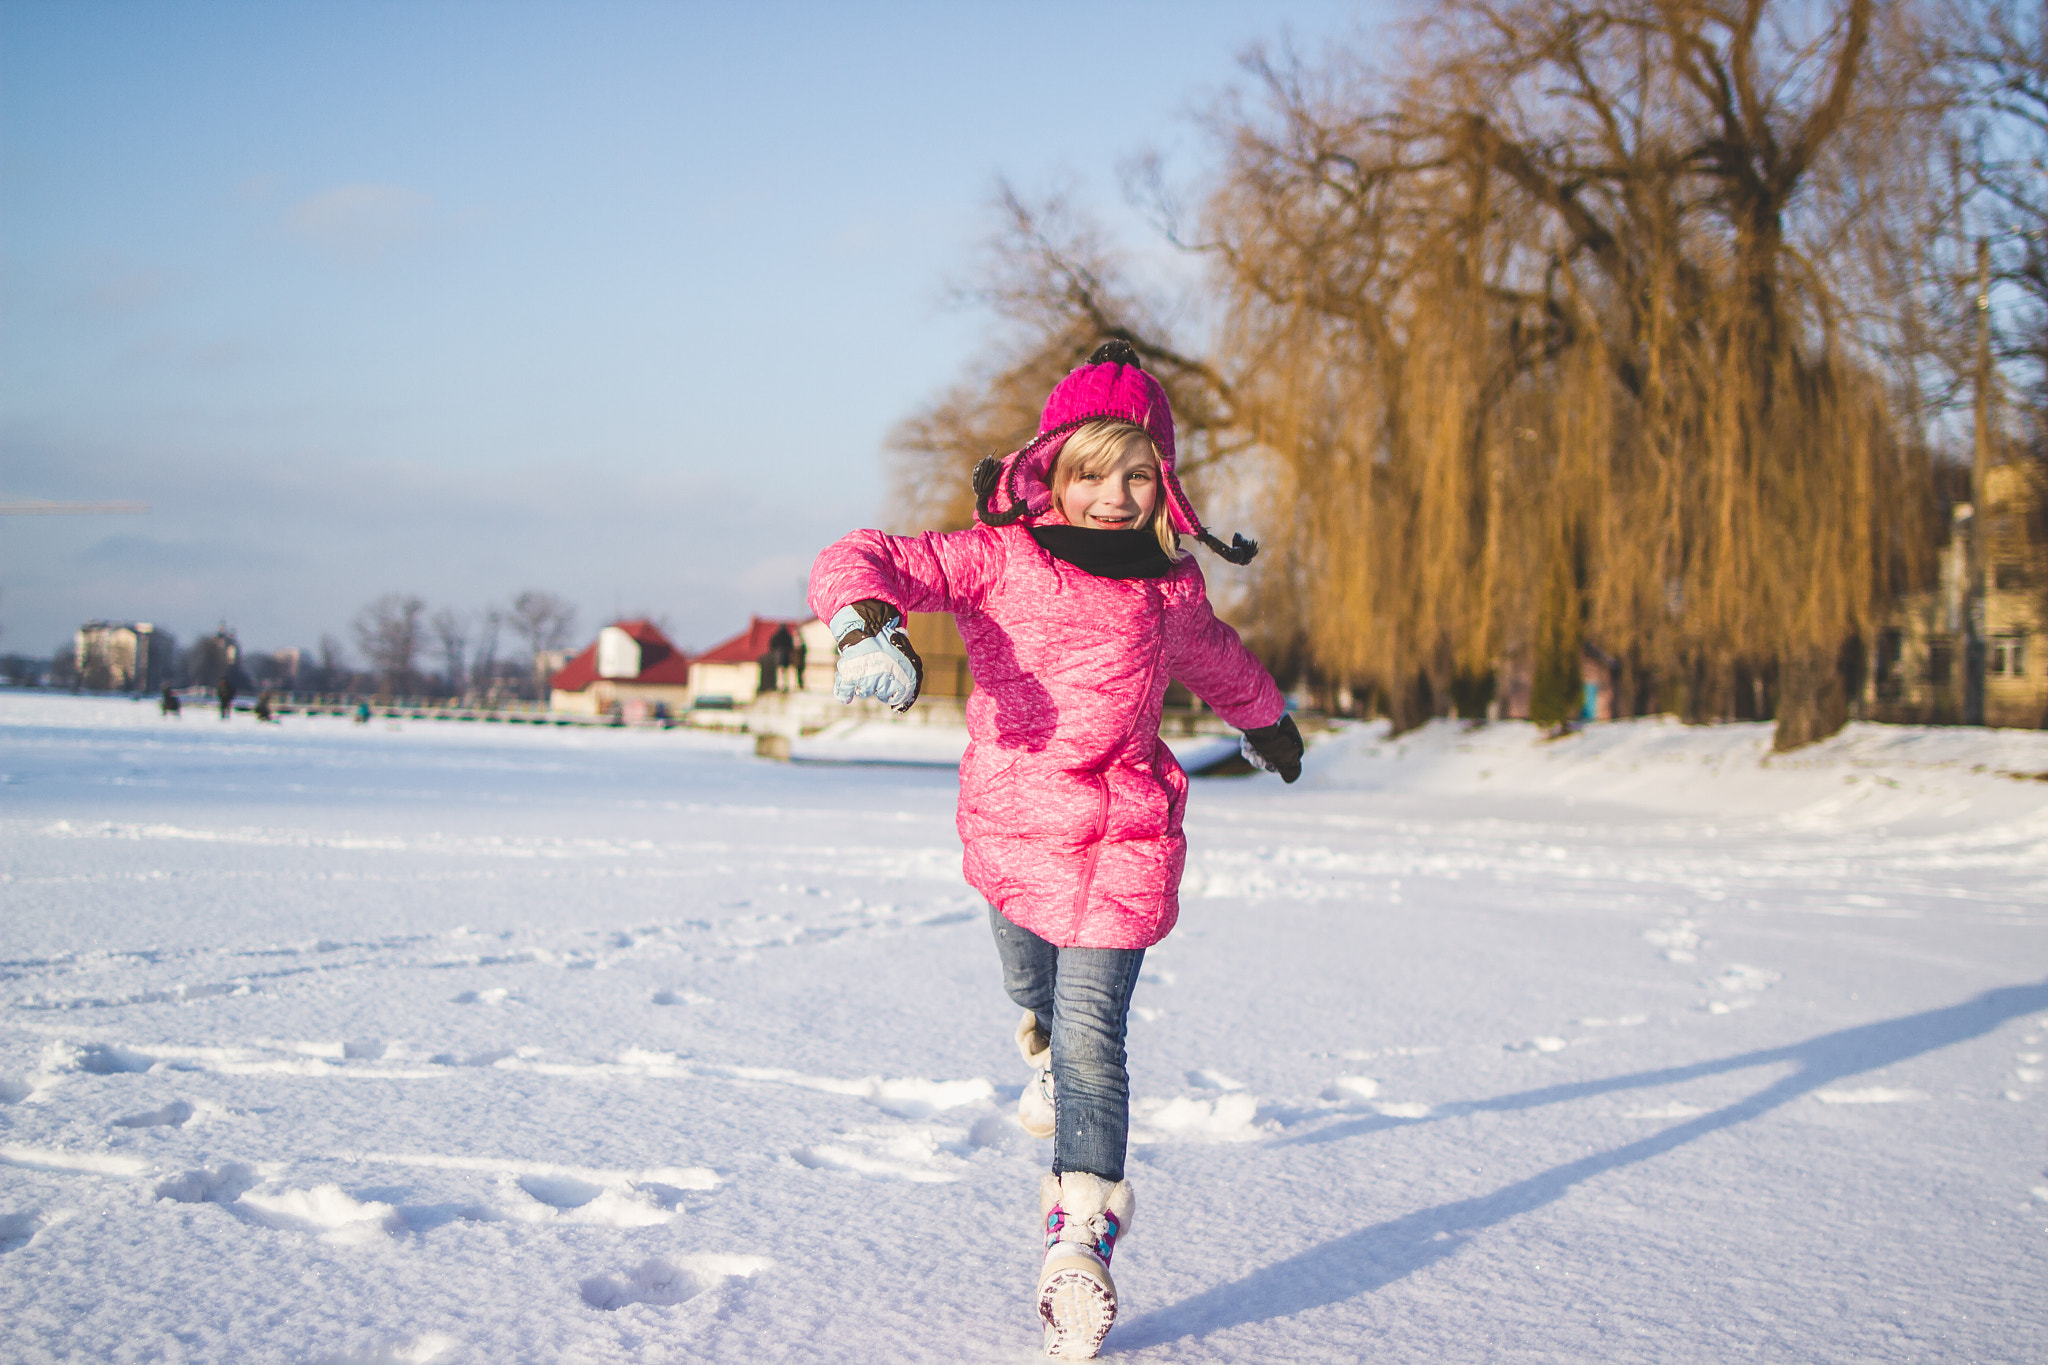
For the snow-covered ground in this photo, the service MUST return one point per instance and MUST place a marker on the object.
(454, 1042)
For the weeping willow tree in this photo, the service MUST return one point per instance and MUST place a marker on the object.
(1573, 322)
(1594, 329)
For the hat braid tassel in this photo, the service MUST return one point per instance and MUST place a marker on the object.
(1238, 551)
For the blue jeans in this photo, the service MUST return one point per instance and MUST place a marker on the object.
(1082, 996)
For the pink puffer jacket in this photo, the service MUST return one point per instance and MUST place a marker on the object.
(1070, 807)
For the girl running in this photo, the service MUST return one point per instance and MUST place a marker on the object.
(1077, 606)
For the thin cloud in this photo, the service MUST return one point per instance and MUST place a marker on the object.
(127, 292)
(360, 224)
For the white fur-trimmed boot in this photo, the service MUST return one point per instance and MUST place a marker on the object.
(1084, 1216)
(1034, 1106)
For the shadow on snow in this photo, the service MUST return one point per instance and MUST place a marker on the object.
(1373, 1257)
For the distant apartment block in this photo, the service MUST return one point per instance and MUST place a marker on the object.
(1920, 669)
(122, 656)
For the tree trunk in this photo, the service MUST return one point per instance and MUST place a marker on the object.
(1813, 701)
(1556, 694)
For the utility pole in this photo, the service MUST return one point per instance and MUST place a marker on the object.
(1980, 467)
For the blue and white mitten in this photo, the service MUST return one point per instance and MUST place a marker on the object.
(875, 657)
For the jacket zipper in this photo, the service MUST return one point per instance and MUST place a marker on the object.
(1102, 806)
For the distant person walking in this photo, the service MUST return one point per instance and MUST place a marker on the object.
(1078, 606)
(225, 690)
(777, 657)
(263, 715)
(171, 704)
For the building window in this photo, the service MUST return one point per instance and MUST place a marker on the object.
(1891, 644)
(1941, 655)
(2008, 656)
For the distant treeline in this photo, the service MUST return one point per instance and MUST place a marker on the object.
(403, 650)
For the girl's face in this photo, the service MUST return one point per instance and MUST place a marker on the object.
(1118, 498)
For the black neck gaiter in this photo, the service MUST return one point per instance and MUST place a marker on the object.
(1106, 554)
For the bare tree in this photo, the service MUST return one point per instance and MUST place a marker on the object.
(1997, 57)
(212, 657)
(451, 636)
(331, 669)
(543, 621)
(389, 632)
(483, 668)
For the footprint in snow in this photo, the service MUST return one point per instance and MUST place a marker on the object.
(17, 1230)
(222, 1184)
(663, 1283)
(1680, 942)
(2028, 1070)
(1737, 977)
(921, 1156)
(624, 1204)
(1742, 985)
(326, 1211)
(1350, 1090)
(682, 998)
(563, 1192)
(1231, 1117)
(172, 1115)
(95, 1059)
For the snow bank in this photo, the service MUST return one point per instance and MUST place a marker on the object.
(1866, 775)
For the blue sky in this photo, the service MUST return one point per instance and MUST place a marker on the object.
(614, 299)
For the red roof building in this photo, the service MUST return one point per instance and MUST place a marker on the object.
(630, 664)
(731, 673)
(750, 644)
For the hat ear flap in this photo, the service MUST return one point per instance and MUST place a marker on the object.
(987, 475)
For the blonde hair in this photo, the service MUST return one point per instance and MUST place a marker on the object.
(1093, 449)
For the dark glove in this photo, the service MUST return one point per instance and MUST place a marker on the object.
(875, 657)
(1275, 748)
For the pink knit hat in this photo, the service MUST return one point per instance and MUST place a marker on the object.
(1112, 387)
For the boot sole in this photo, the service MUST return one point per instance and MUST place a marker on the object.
(1078, 1310)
